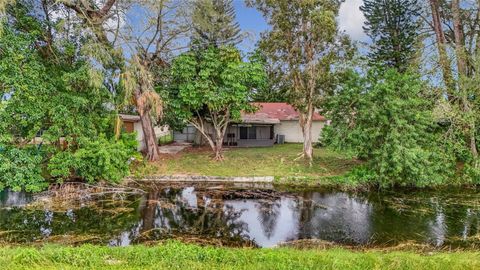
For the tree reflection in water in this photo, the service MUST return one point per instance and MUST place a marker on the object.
(244, 217)
(187, 213)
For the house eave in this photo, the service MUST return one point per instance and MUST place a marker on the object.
(129, 117)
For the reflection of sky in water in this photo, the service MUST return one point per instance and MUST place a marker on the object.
(339, 217)
(284, 227)
(10, 199)
(189, 196)
(333, 218)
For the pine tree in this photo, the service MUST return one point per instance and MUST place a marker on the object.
(392, 25)
(214, 23)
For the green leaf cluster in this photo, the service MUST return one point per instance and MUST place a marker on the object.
(212, 81)
(20, 169)
(98, 160)
(53, 104)
(384, 119)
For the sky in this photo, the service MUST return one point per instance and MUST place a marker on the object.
(350, 20)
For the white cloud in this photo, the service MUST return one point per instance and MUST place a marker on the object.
(351, 19)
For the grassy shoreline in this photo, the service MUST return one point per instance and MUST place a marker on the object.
(279, 161)
(329, 170)
(176, 255)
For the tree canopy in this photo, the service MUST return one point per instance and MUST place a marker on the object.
(213, 86)
(53, 102)
(393, 26)
(214, 23)
(386, 119)
(303, 45)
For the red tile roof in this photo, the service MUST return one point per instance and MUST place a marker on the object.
(276, 110)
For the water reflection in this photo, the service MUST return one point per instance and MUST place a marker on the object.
(239, 217)
(9, 198)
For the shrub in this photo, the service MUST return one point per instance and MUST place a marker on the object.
(20, 169)
(96, 160)
(385, 119)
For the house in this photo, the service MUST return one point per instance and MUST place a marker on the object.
(271, 123)
(132, 123)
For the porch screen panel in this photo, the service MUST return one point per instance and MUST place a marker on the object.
(248, 133)
(252, 133)
(263, 133)
(243, 133)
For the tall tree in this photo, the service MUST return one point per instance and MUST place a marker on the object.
(150, 46)
(393, 27)
(302, 42)
(443, 58)
(51, 95)
(386, 119)
(214, 23)
(456, 28)
(213, 86)
(153, 48)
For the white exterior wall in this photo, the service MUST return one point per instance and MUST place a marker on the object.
(293, 131)
(137, 126)
(159, 132)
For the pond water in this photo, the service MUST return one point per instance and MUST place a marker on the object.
(248, 216)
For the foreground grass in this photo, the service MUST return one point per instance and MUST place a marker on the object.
(278, 161)
(175, 255)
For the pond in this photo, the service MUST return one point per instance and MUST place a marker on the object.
(247, 215)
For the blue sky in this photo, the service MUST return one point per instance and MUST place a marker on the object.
(251, 21)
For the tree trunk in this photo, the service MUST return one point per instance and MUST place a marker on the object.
(216, 144)
(459, 38)
(149, 138)
(461, 56)
(219, 147)
(307, 136)
(444, 60)
(473, 142)
(148, 211)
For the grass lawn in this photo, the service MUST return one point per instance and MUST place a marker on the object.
(175, 255)
(278, 161)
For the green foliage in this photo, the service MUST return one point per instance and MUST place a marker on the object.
(96, 160)
(393, 27)
(301, 47)
(214, 24)
(165, 139)
(275, 88)
(384, 119)
(20, 169)
(212, 84)
(51, 93)
(215, 79)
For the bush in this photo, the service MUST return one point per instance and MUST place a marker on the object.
(385, 119)
(471, 172)
(96, 160)
(20, 169)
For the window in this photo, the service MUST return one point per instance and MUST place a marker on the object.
(129, 127)
(248, 133)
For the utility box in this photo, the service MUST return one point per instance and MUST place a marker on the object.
(280, 139)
